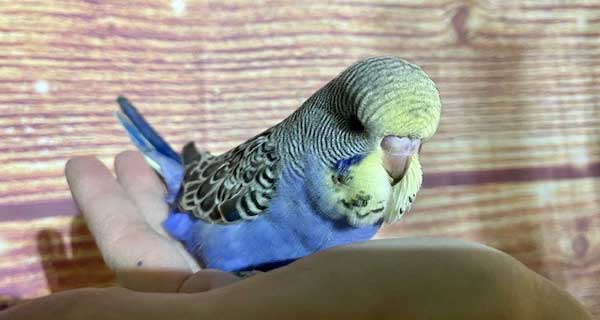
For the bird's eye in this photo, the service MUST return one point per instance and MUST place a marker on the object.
(355, 125)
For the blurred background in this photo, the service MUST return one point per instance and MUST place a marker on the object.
(515, 163)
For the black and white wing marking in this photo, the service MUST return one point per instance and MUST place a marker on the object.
(231, 187)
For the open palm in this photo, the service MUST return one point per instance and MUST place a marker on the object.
(462, 280)
(125, 215)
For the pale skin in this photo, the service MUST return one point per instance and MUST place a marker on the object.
(410, 278)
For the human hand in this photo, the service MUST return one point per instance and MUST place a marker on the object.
(410, 278)
(124, 215)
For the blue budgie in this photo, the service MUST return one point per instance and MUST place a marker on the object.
(329, 174)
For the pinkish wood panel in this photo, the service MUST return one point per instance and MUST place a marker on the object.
(515, 163)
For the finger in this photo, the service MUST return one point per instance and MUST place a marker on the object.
(129, 246)
(107, 210)
(206, 280)
(143, 186)
(147, 191)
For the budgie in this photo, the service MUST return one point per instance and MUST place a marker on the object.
(330, 174)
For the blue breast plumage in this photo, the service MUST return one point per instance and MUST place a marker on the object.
(291, 229)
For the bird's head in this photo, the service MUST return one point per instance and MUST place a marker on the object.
(373, 119)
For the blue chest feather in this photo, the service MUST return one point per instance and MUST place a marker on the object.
(291, 229)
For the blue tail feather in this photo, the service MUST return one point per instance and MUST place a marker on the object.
(155, 149)
(145, 130)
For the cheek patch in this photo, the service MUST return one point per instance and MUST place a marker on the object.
(342, 166)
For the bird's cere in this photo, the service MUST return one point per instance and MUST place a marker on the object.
(396, 155)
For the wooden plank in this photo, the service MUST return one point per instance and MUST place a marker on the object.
(515, 163)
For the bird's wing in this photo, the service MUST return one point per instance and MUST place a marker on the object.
(231, 187)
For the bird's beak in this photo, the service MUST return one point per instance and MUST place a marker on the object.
(397, 153)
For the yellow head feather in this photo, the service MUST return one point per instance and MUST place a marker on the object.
(392, 97)
(348, 119)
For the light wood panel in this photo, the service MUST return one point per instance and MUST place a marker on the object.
(515, 163)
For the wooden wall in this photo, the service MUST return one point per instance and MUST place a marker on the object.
(515, 163)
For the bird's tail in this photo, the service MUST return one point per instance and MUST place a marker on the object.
(155, 149)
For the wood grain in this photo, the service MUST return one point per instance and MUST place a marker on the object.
(515, 163)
